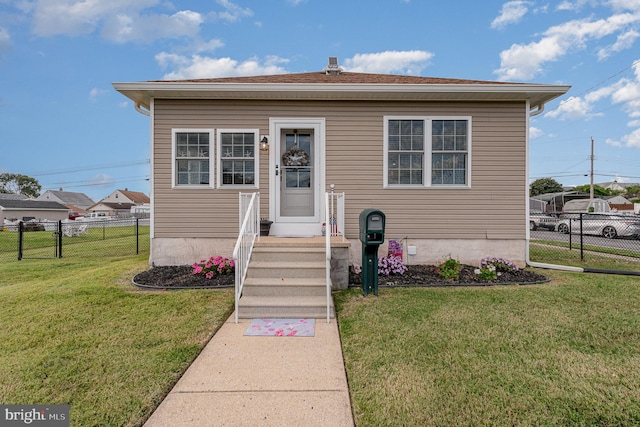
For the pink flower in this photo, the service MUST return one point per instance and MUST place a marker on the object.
(209, 275)
(197, 270)
(279, 333)
(292, 333)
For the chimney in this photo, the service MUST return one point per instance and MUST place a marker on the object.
(333, 68)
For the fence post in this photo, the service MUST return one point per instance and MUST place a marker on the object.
(59, 239)
(20, 237)
(581, 240)
(137, 237)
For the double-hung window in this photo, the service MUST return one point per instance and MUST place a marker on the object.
(427, 152)
(237, 154)
(192, 157)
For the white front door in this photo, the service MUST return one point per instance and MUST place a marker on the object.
(297, 173)
(297, 176)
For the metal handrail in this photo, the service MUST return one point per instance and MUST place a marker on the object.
(334, 226)
(328, 255)
(249, 230)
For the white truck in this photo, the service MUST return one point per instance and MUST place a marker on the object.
(94, 216)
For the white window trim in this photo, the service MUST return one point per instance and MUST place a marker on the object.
(174, 172)
(428, 152)
(256, 158)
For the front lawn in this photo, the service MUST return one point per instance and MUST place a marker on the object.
(77, 332)
(564, 353)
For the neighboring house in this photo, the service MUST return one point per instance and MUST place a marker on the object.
(26, 209)
(113, 209)
(126, 196)
(442, 158)
(75, 201)
(120, 203)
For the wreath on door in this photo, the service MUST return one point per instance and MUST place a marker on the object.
(295, 156)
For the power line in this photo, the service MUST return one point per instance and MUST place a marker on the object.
(91, 168)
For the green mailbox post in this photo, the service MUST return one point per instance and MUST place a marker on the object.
(372, 236)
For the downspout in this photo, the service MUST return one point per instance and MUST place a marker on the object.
(538, 110)
(532, 113)
(140, 109)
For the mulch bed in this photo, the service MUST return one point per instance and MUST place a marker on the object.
(182, 277)
(425, 275)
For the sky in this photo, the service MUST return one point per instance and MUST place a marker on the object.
(62, 122)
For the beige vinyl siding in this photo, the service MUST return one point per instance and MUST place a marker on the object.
(494, 206)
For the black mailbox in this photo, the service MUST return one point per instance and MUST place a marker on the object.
(372, 236)
(372, 227)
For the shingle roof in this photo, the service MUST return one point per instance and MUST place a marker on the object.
(136, 196)
(340, 87)
(31, 204)
(342, 78)
(69, 198)
(11, 196)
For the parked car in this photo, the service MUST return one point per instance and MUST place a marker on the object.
(73, 215)
(609, 226)
(94, 216)
(539, 219)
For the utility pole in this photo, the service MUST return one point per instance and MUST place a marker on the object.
(591, 174)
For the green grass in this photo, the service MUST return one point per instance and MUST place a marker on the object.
(564, 353)
(97, 242)
(77, 332)
(557, 254)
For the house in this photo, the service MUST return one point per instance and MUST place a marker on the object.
(12, 208)
(120, 203)
(126, 196)
(75, 201)
(444, 159)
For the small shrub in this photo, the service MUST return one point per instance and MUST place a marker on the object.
(391, 265)
(449, 269)
(491, 268)
(214, 266)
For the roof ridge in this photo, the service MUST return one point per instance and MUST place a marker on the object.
(344, 77)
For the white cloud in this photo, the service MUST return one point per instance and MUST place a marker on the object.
(95, 93)
(52, 17)
(523, 62)
(625, 4)
(410, 62)
(202, 67)
(574, 108)
(232, 12)
(101, 180)
(632, 139)
(624, 92)
(121, 20)
(511, 13)
(575, 5)
(125, 28)
(624, 41)
(5, 40)
(535, 132)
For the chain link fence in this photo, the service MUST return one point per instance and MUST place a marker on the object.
(588, 240)
(57, 239)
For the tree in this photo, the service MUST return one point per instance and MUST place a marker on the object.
(543, 186)
(14, 183)
(632, 191)
(597, 190)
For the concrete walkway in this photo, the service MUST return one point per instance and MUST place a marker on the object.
(239, 380)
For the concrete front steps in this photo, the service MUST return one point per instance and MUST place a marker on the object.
(286, 279)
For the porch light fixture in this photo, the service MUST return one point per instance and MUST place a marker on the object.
(264, 144)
